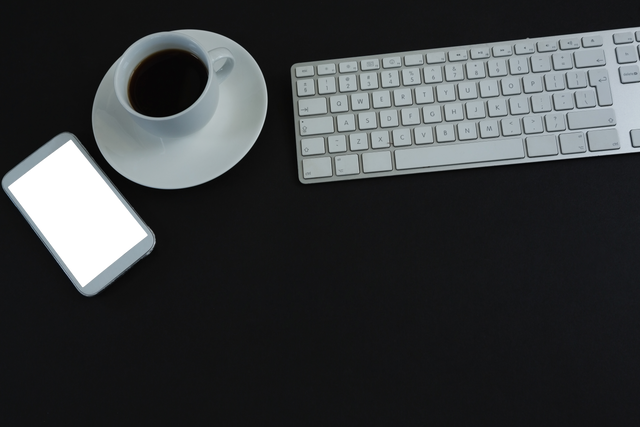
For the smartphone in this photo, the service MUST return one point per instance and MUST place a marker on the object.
(80, 216)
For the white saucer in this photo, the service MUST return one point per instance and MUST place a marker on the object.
(171, 163)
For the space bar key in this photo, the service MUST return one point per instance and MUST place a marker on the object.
(455, 154)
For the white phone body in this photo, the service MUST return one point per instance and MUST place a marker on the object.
(80, 216)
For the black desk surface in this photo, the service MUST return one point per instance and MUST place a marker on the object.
(496, 296)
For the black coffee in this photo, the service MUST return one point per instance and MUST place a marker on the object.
(166, 83)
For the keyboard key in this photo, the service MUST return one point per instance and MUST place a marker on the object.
(390, 78)
(589, 58)
(360, 101)
(626, 54)
(569, 44)
(572, 143)
(424, 95)
(381, 99)
(376, 162)
(467, 90)
(319, 167)
(467, 131)
(497, 68)
(306, 87)
(630, 74)
(576, 79)
(370, 64)
(411, 116)
(369, 81)
(380, 139)
(585, 98)
(622, 38)
(402, 97)
(401, 137)
(525, 48)
(436, 57)
(358, 141)
(518, 66)
(348, 67)
(367, 121)
(312, 107)
(602, 140)
(445, 133)
(388, 118)
(539, 146)
(411, 77)
(453, 72)
(475, 110)
(475, 70)
(502, 50)
(446, 155)
(413, 60)
(347, 165)
(433, 74)
(424, 135)
(445, 93)
(305, 71)
(317, 126)
(511, 127)
(635, 133)
(393, 62)
(489, 129)
(339, 104)
(555, 122)
(591, 119)
(326, 69)
(458, 55)
(540, 63)
(432, 114)
(347, 83)
(533, 125)
(312, 146)
(326, 85)
(547, 46)
(480, 52)
(337, 143)
(592, 41)
(599, 79)
(561, 61)
(489, 88)
(346, 123)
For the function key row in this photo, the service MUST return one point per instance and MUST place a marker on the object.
(479, 52)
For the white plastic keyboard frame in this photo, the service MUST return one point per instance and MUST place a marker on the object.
(626, 99)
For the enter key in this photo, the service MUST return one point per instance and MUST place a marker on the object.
(599, 78)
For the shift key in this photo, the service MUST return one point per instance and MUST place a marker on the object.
(591, 119)
(316, 126)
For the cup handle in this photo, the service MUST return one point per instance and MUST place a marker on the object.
(218, 54)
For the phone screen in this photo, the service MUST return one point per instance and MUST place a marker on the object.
(80, 216)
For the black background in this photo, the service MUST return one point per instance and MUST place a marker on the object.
(494, 296)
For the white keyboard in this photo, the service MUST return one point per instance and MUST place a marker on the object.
(519, 101)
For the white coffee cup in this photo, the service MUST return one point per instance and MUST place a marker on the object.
(197, 114)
